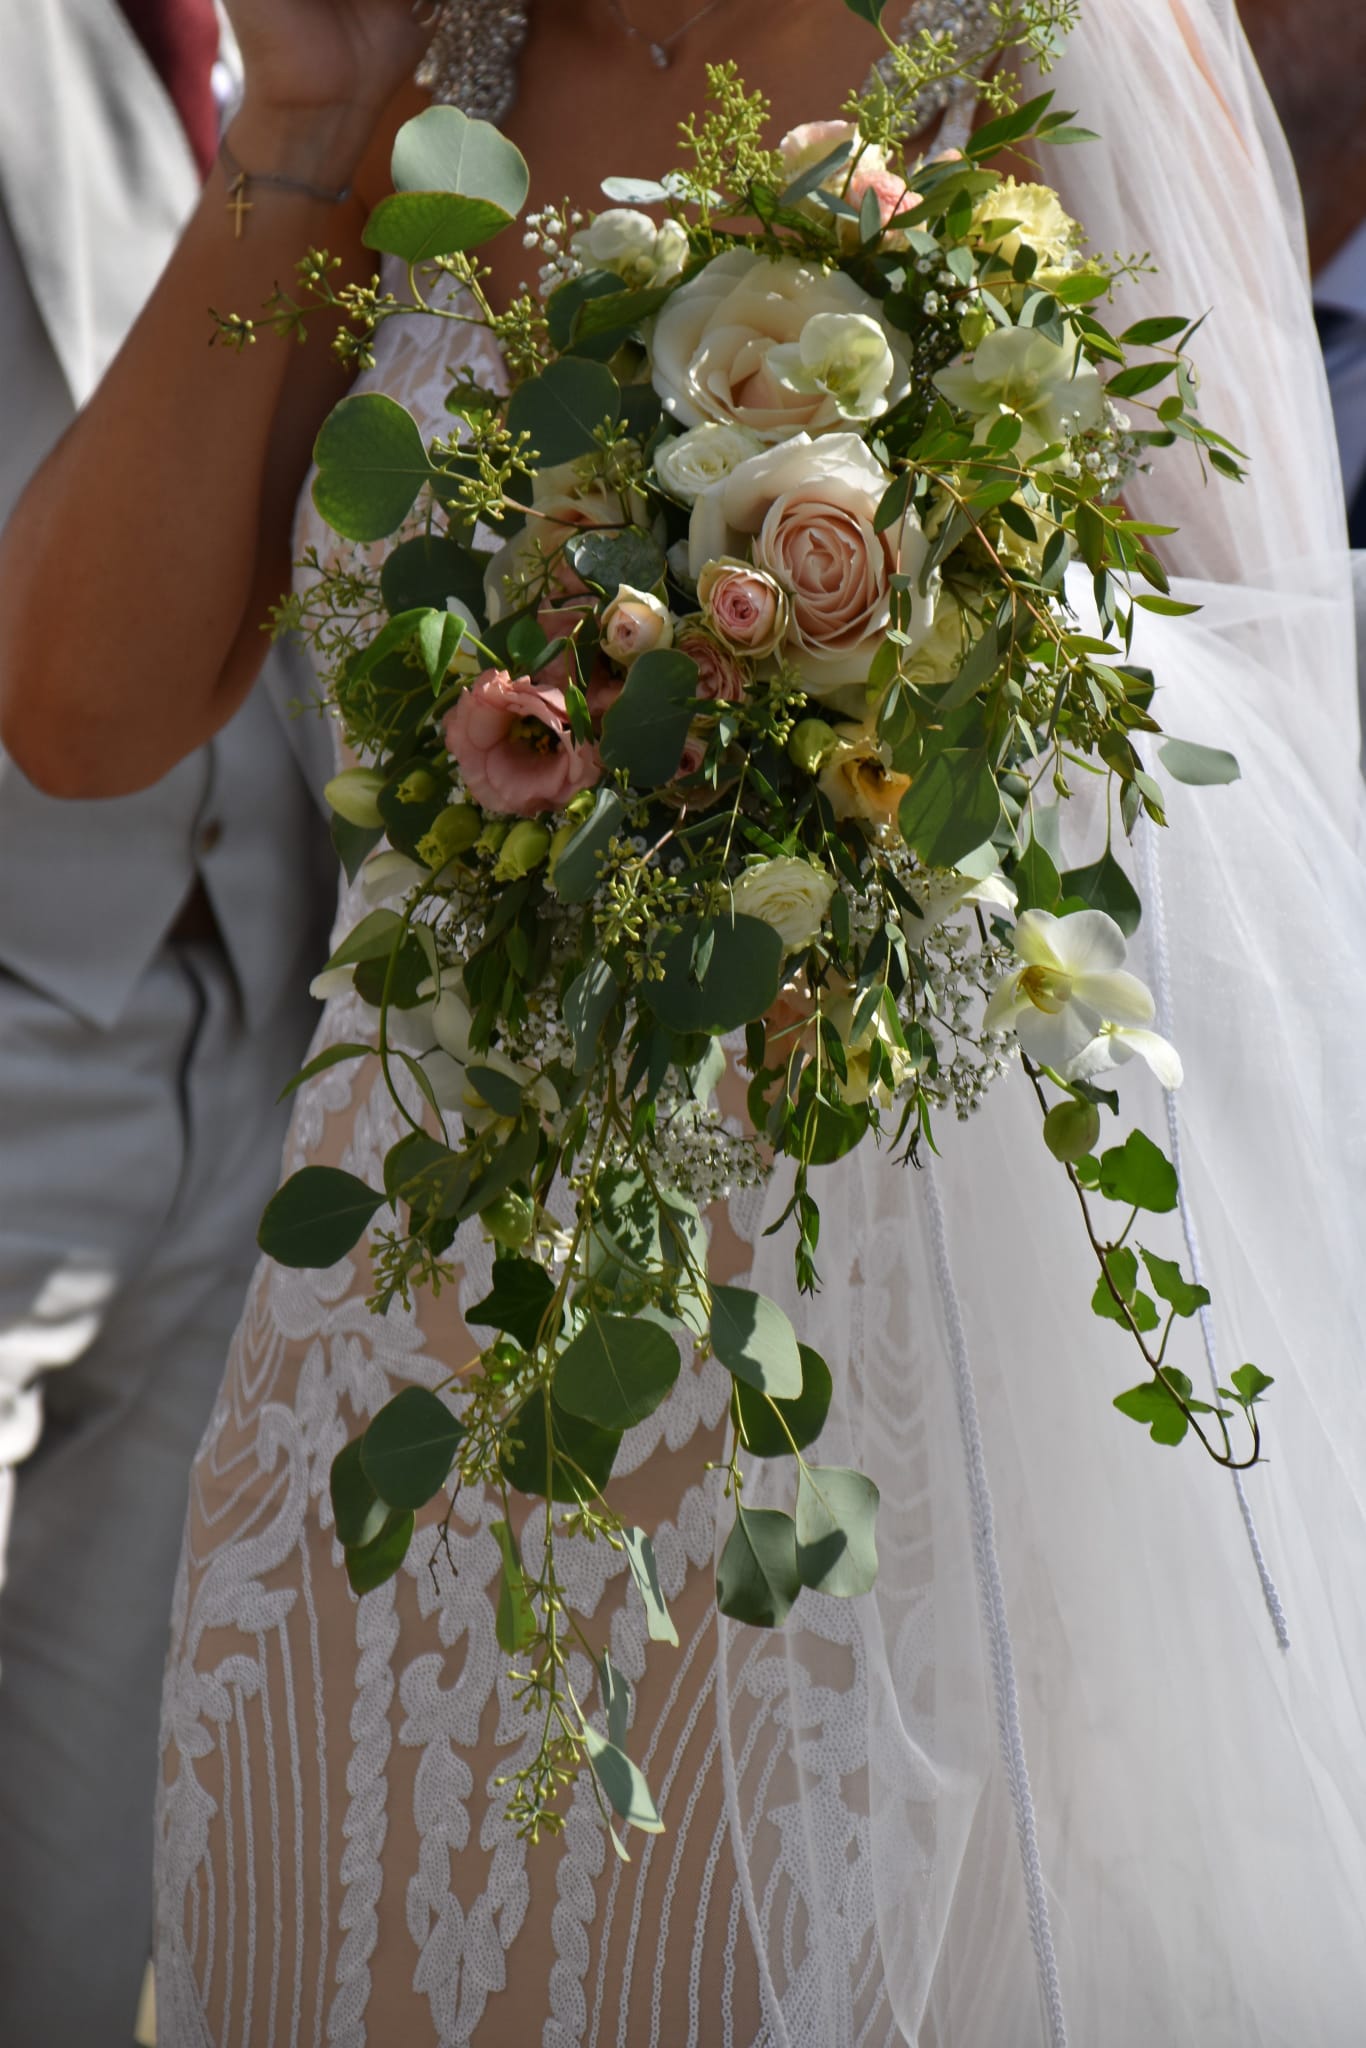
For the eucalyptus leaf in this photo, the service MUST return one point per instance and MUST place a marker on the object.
(616, 1370)
(644, 731)
(588, 1001)
(370, 1564)
(951, 806)
(755, 1342)
(372, 462)
(640, 1556)
(1105, 886)
(583, 1453)
(756, 1575)
(623, 1783)
(420, 225)
(331, 1056)
(778, 1429)
(358, 1513)
(444, 150)
(836, 1530)
(317, 1217)
(409, 1447)
(1204, 767)
(608, 556)
(740, 980)
(429, 569)
(562, 409)
(578, 866)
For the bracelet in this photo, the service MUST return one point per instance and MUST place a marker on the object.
(239, 180)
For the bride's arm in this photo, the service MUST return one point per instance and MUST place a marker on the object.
(137, 568)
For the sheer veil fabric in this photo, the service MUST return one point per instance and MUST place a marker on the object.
(1125, 1814)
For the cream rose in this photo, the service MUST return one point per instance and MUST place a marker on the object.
(634, 622)
(710, 346)
(640, 251)
(809, 507)
(787, 893)
(691, 463)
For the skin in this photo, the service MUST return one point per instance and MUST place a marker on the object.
(158, 531)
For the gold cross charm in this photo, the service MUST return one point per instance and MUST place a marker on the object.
(238, 202)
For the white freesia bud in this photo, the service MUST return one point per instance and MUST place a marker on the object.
(641, 251)
(844, 355)
(691, 462)
(790, 894)
(635, 622)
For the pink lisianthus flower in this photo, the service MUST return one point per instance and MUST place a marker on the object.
(512, 744)
(720, 677)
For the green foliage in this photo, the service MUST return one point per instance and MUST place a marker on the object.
(358, 1513)
(409, 1447)
(644, 731)
(443, 150)
(578, 1459)
(718, 973)
(756, 1576)
(515, 1621)
(317, 1217)
(1105, 886)
(616, 1371)
(622, 1782)
(780, 1429)
(521, 1294)
(755, 1342)
(563, 410)
(951, 807)
(372, 462)
(836, 1522)
(640, 1555)
(370, 1564)
(1139, 1174)
(1184, 761)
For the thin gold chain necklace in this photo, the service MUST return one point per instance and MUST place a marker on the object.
(658, 47)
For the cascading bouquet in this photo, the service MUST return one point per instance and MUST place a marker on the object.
(713, 699)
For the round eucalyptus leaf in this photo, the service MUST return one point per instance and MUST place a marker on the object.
(951, 807)
(737, 983)
(755, 1342)
(757, 1415)
(584, 1453)
(317, 1217)
(358, 1513)
(836, 1530)
(563, 408)
(408, 1449)
(443, 150)
(616, 1371)
(756, 1575)
(371, 1564)
(372, 462)
(420, 225)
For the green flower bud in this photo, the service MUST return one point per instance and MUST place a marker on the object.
(353, 794)
(454, 831)
(581, 806)
(524, 848)
(494, 833)
(509, 1220)
(811, 744)
(417, 787)
(1071, 1129)
(975, 326)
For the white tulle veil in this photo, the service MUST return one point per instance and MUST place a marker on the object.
(1090, 1763)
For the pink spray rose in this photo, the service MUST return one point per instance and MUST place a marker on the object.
(745, 607)
(719, 675)
(512, 744)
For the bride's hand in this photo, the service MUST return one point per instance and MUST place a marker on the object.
(318, 74)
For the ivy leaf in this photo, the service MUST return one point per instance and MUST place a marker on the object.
(371, 1564)
(755, 1342)
(1185, 1296)
(640, 1556)
(1156, 1407)
(317, 1217)
(515, 1622)
(1138, 1174)
(757, 1416)
(836, 1525)
(1249, 1384)
(623, 1783)
(409, 1447)
(522, 1292)
(1122, 1267)
(616, 1371)
(358, 1513)
(756, 1577)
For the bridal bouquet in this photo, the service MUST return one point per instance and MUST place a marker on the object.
(713, 692)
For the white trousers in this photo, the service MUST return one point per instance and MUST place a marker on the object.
(134, 1165)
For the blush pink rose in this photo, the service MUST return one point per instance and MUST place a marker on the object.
(745, 607)
(603, 690)
(720, 677)
(892, 193)
(512, 744)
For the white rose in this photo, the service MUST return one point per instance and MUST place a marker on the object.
(687, 465)
(710, 346)
(1018, 370)
(806, 509)
(787, 893)
(635, 622)
(639, 250)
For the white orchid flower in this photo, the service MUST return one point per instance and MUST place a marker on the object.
(1071, 1004)
(1019, 371)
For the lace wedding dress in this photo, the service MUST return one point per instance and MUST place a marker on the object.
(855, 1851)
